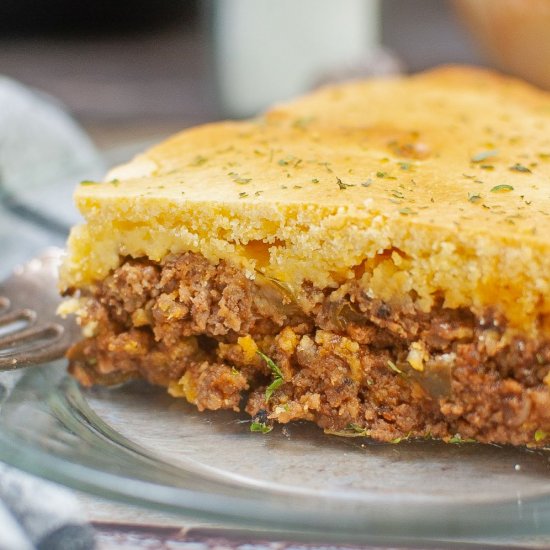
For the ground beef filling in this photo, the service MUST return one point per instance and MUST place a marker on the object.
(350, 363)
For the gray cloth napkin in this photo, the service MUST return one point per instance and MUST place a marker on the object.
(43, 153)
(35, 513)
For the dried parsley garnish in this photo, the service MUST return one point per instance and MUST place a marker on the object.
(501, 187)
(474, 197)
(343, 185)
(199, 160)
(407, 211)
(520, 168)
(457, 438)
(394, 367)
(397, 440)
(278, 379)
(260, 427)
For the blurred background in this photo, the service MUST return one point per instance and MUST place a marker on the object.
(142, 69)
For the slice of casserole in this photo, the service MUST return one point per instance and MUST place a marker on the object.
(373, 257)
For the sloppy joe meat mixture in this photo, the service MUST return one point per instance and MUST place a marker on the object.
(337, 357)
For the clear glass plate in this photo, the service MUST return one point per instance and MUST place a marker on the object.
(136, 444)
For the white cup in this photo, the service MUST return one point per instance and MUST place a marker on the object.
(271, 50)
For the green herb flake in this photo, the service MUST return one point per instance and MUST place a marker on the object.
(356, 429)
(302, 123)
(273, 387)
(343, 185)
(397, 440)
(199, 160)
(287, 161)
(243, 195)
(278, 379)
(314, 180)
(381, 174)
(351, 430)
(115, 182)
(238, 179)
(520, 168)
(260, 427)
(394, 367)
(487, 167)
(474, 197)
(484, 155)
(326, 165)
(457, 439)
(407, 211)
(89, 182)
(540, 435)
(405, 165)
(504, 187)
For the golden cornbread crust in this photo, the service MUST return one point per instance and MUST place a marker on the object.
(424, 197)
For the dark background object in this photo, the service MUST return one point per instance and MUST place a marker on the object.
(72, 17)
(424, 33)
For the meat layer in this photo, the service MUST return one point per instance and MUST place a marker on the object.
(352, 364)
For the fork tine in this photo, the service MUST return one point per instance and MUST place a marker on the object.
(30, 331)
(41, 354)
(18, 315)
(52, 330)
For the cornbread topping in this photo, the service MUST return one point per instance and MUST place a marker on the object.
(372, 257)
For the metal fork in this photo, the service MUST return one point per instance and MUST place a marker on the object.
(30, 330)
